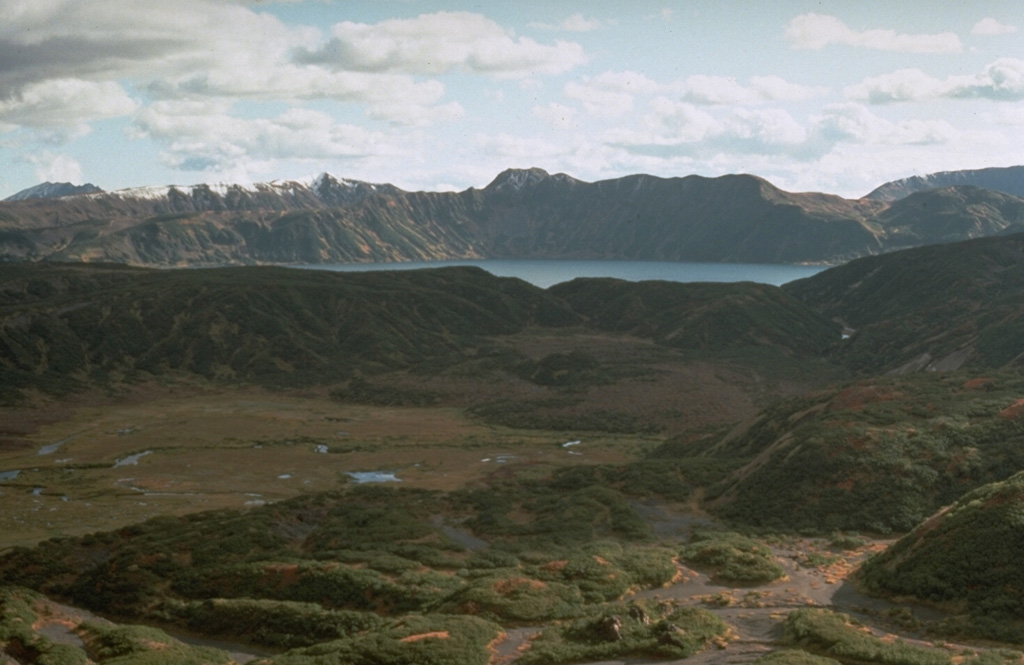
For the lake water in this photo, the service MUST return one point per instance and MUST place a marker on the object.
(545, 273)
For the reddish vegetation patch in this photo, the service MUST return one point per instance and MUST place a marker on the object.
(974, 384)
(554, 566)
(856, 398)
(285, 574)
(436, 635)
(509, 586)
(1015, 410)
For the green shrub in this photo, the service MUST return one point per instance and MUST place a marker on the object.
(430, 639)
(733, 558)
(837, 635)
(638, 630)
(274, 623)
(141, 645)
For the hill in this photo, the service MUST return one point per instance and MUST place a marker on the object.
(701, 316)
(878, 455)
(64, 327)
(941, 307)
(521, 214)
(966, 559)
(1009, 180)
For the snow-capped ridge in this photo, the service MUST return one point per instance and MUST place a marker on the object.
(53, 190)
(311, 192)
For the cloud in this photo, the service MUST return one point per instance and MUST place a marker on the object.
(191, 49)
(558, 116)
(574, 23)
(853, 123)
(439, 43)
(775, 88)
(990, 27)
(673, 129)
(413, 115)
(50, 167)
(204, 136)
(1000, 80)
(816, 31)
(517, 148)
(614, 93)
(600, 101)
(65, 106)
(677, 128)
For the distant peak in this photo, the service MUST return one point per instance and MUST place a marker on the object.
(515, 179)
(53, 190)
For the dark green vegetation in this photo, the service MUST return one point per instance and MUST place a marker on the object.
(711, 317)
(837, 636)
(897, 448)
(67, 327)
(100, 641)
(521, 214)
(965, 558)
(339, 577)
(64, 326)
(732, 558)
(651, 630)
(826, 441)
(935, 308)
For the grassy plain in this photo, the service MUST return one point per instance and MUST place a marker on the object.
(208, 449)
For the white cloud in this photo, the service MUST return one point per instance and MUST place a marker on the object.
(416, 116)
(1012, 116)
(438, 43)
(989, 27)
(775, 88)
(49, 167)
(700, 89)
(574, 23)
(516, 148)
(194, 49)
(203, 136)
(677, 128)
(558, 116)
(600, 100)
(673, 129)
(65, 103)
(1001, 80)
(614, 93)
(853, 123)
(816, 31)
(899, 86)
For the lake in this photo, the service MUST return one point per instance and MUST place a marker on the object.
(545, 273)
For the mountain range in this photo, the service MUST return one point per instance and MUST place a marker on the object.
(522, 213)
(1008, 179)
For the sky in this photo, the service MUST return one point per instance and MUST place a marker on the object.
(837, 97)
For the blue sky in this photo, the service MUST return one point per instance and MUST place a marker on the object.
(814, 96)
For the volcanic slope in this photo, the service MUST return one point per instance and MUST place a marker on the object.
(966, 559)
(940, 307)
(65, 327)
(1009, 179)
(878, 455)
(521, 214)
